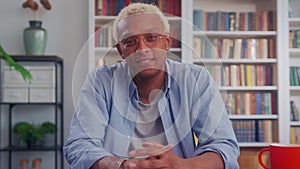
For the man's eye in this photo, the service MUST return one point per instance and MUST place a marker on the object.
(151, 38)
(129, 41)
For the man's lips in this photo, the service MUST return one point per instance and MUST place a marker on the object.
(144, 61)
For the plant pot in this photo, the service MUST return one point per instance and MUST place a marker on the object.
(35, 38)
(49, 139)
(17, 142)
(31, 143)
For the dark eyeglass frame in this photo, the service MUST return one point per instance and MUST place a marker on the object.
(150, 39)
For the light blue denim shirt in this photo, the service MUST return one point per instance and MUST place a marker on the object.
(106, 112)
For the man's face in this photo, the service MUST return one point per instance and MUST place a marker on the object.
(143, 44)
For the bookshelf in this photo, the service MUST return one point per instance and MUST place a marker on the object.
(230, 40)
(278, 120)
(294, 69)
(277, 49)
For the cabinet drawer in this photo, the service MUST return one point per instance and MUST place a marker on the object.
(43, 77)
(15, 94)
(41, 95)
(11, 77)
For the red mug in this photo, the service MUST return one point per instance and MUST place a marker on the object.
(282, 156)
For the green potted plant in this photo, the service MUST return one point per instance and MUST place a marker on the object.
(21, 130)
(28, 134)
(12, 64)
(49, 130)
(36, 136)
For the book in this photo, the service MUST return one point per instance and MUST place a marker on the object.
(98, 7)
(262, 48)
(198, 19)
(267, 131)
(197, 47)
(232, 21)
(237, 48)
(247, 102)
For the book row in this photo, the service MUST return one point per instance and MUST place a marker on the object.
(250, 103)
(113, 7)
(234, 20)
(253, 130)
(295, 135)
(294, 39)
(239, 48)
(295, 114)
(242, 74)
(104, 36)
(295, 76)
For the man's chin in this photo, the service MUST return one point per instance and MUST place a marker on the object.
(148, 73)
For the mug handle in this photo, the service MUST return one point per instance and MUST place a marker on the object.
(260, 158)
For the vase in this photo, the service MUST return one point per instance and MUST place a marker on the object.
(35, 38)
(49, 140)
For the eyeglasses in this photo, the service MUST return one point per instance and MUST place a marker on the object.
(150, 39)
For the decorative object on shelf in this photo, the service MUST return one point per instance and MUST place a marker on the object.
(12, 64)
(23, 164)
(49, 130)
(36, 163)
(29, 135)
(35, 37)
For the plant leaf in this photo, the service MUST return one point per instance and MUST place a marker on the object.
(12, 64)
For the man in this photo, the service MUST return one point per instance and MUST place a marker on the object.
(145, 112)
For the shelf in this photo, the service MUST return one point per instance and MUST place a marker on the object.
(254, 144)
(235, 34)
(295, 123)
(250, 61)
(294, 52)
(295, 88)
(294, 23)
(292, 20)
(15, 148)
(41, 58)
(257, 117)
(250, 88)
(102, 20)
(24, 103)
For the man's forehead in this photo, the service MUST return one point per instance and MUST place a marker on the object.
(139, 23)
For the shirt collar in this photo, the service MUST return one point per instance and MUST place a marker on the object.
(133, 89)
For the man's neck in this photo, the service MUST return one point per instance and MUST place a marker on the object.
(147, 85)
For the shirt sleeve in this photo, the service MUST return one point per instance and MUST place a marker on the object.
(84, 145)
(212, 125)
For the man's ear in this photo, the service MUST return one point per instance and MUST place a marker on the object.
(119, 50)
(168, 42)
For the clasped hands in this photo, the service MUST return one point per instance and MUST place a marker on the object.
(153, 156)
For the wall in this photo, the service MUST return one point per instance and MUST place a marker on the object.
(67, 25)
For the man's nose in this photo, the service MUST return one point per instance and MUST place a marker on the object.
(141, 44)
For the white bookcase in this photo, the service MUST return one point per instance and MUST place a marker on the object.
(280, 119)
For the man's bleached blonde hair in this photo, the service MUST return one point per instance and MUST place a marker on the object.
(138, 8)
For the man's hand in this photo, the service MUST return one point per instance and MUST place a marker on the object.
(157, 156)
(154, 156)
